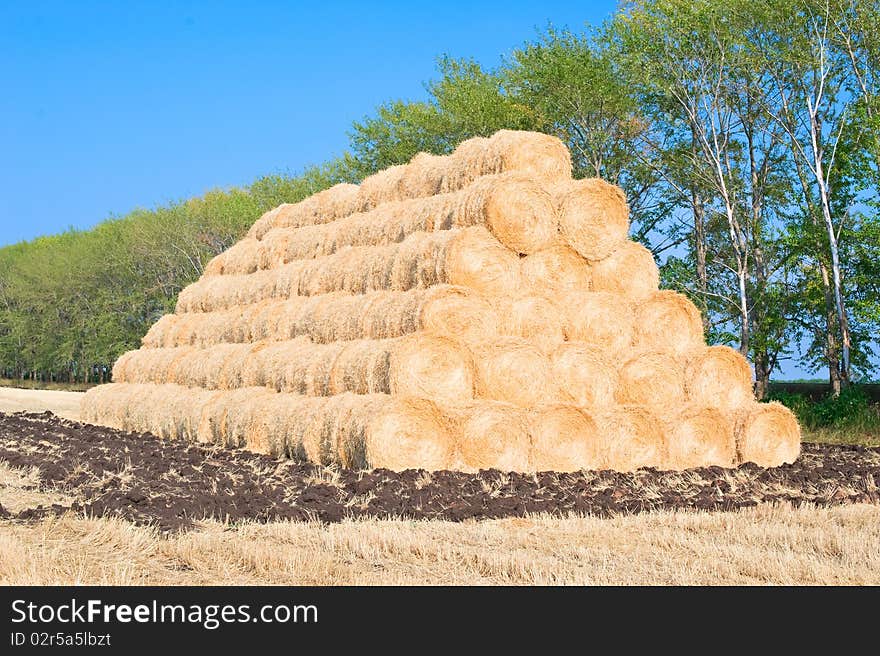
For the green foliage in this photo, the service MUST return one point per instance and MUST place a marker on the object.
(696, 109)
(852, 410)
(70, 304)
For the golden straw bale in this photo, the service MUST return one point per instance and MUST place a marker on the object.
(158, 334)
(408, 433)
(767, 434)
(630, 270)
(698, 436)
(120, 365)
(599, 319)
(449, 310)
(431, 366)
(442, 309)
(265, 223)
(593, 216)
(654, 379)
(468, 162)
(379, 188)
(241, 258)
(333, 203)
(630, 437)
(477, 260)
(585, 373)
(534, 318)
(667, 321)
(513, 370)
(718, 377)
(515, 209)
(490, 435)
(564, 439)
(423, 176)
(469, 257)
(540, 156)
(556, 271)
(323, 207)
(518, 211)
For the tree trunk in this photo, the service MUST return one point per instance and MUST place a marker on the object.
(832, 347)
(700, 253)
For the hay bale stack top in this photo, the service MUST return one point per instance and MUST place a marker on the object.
(474, 310)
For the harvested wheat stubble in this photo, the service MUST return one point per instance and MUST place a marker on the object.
(699, 436)
(767, 434)
(442, 309)
(564, 439)
(593, 216)
(600, 319)
(555, 271)
(630, 271)
(585, 373)
(515, 209)
(719, 377)
(513, 370)
(490, 434)
(533, 318)
(336, 202)
(630, 437)
(667, 321)
(654, 379)
(416, 365)
(356, 431)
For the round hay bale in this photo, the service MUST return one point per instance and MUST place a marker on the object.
(118, 374)
(540, 156)
(718, 377)
(653, 379)
(631, 437)
(699, 436)
(409, 433)
(585, 374)
(379, 188)
(511, 369)
(767, 434)
(599, 319)
(491, 435)
(667, 321)
(264, 224)
(629, 271)
(423, 176)
(159, 334)
(564, 439)
(477, 260)
(556, 271)
(533, 318)
(516, 210)
(593, 216)
(457, 311)
(431, 366)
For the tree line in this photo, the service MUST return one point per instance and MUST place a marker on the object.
(745, 137)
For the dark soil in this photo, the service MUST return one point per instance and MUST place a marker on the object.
(171, 485)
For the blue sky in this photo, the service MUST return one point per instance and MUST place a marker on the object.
(108, 106)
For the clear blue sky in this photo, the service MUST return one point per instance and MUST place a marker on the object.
(108, 106)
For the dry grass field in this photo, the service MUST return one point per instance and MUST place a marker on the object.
(767, 545)
(63, 404)
(770, 544)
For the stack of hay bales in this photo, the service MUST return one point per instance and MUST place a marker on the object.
(481, 309)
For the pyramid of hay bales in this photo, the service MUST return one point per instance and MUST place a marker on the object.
(476, 310)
